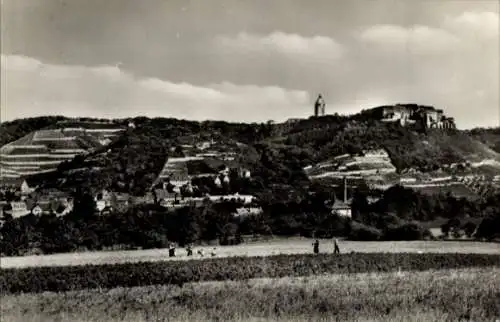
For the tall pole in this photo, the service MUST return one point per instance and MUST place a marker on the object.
(345, 189)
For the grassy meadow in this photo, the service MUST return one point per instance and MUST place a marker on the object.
(435, 295)
(261, 248)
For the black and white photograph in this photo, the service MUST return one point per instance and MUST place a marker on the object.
(249, 160)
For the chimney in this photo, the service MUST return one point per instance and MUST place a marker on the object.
(345, 189)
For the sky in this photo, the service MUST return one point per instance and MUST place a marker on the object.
(248, 61)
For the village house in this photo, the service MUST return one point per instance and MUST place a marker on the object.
(248, 211)
(244, 173)
(179, 179)
(15, 209)
(49, 201)
(18, 186)
(107, 201)
(342, 209)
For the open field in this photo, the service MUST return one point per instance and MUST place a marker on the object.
(267, 248)
(444, 295)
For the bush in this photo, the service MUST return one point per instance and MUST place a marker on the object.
(406, 231)
(65, 278)
(489, 228)
(457, 233)
(469, 228)
(361, 232)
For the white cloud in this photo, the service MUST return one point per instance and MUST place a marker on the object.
(452, 65)
(288, 45)
(31, 88)
(456, 34)
(479, 25)
(418, 40)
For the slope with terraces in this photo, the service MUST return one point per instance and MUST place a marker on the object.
(176, 169)
(42, 151)
(374, 168)
(371, 167)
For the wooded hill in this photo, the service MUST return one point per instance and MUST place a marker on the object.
(275, 153)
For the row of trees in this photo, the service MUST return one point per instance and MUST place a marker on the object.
(150, 226)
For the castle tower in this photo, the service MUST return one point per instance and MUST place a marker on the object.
(319, 106)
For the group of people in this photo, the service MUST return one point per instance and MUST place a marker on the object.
(335, 245)
(189, 251)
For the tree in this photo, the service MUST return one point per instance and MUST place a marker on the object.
(361, 232)
(489, 228)
(84, 206)
(469, 228)
(445, 229)
(406, 231)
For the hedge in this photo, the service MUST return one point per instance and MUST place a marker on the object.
(66, 278)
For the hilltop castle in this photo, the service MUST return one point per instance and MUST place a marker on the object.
(408, 114)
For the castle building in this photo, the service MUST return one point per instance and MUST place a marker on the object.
(408, 114)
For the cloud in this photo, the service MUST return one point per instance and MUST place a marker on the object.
(31, 87)
(449, 61)
(455, 34)
(417, 39)
(452, 64)
(478, 25)
(291, 46)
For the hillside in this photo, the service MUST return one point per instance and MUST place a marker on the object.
(278, 155)
(13, 130)
(41, 151)
(490, 137)
(135, 159)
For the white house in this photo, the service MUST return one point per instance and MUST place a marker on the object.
(248, 211)
(100, 205)
(18, 209)
(342, 209)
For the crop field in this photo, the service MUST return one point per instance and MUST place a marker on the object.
(67, 278)
(267, 248)
(435, 295)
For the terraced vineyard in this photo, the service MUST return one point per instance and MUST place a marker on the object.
(42, 151)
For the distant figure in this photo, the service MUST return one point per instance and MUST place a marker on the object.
(316, 247)
(189, 250)
(213, 252)
(200, 252)
(171, 250)
(336, 245)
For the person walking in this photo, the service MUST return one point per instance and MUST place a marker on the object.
(336, 246)
(171, 250)
(189, 250)
(316, 247)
